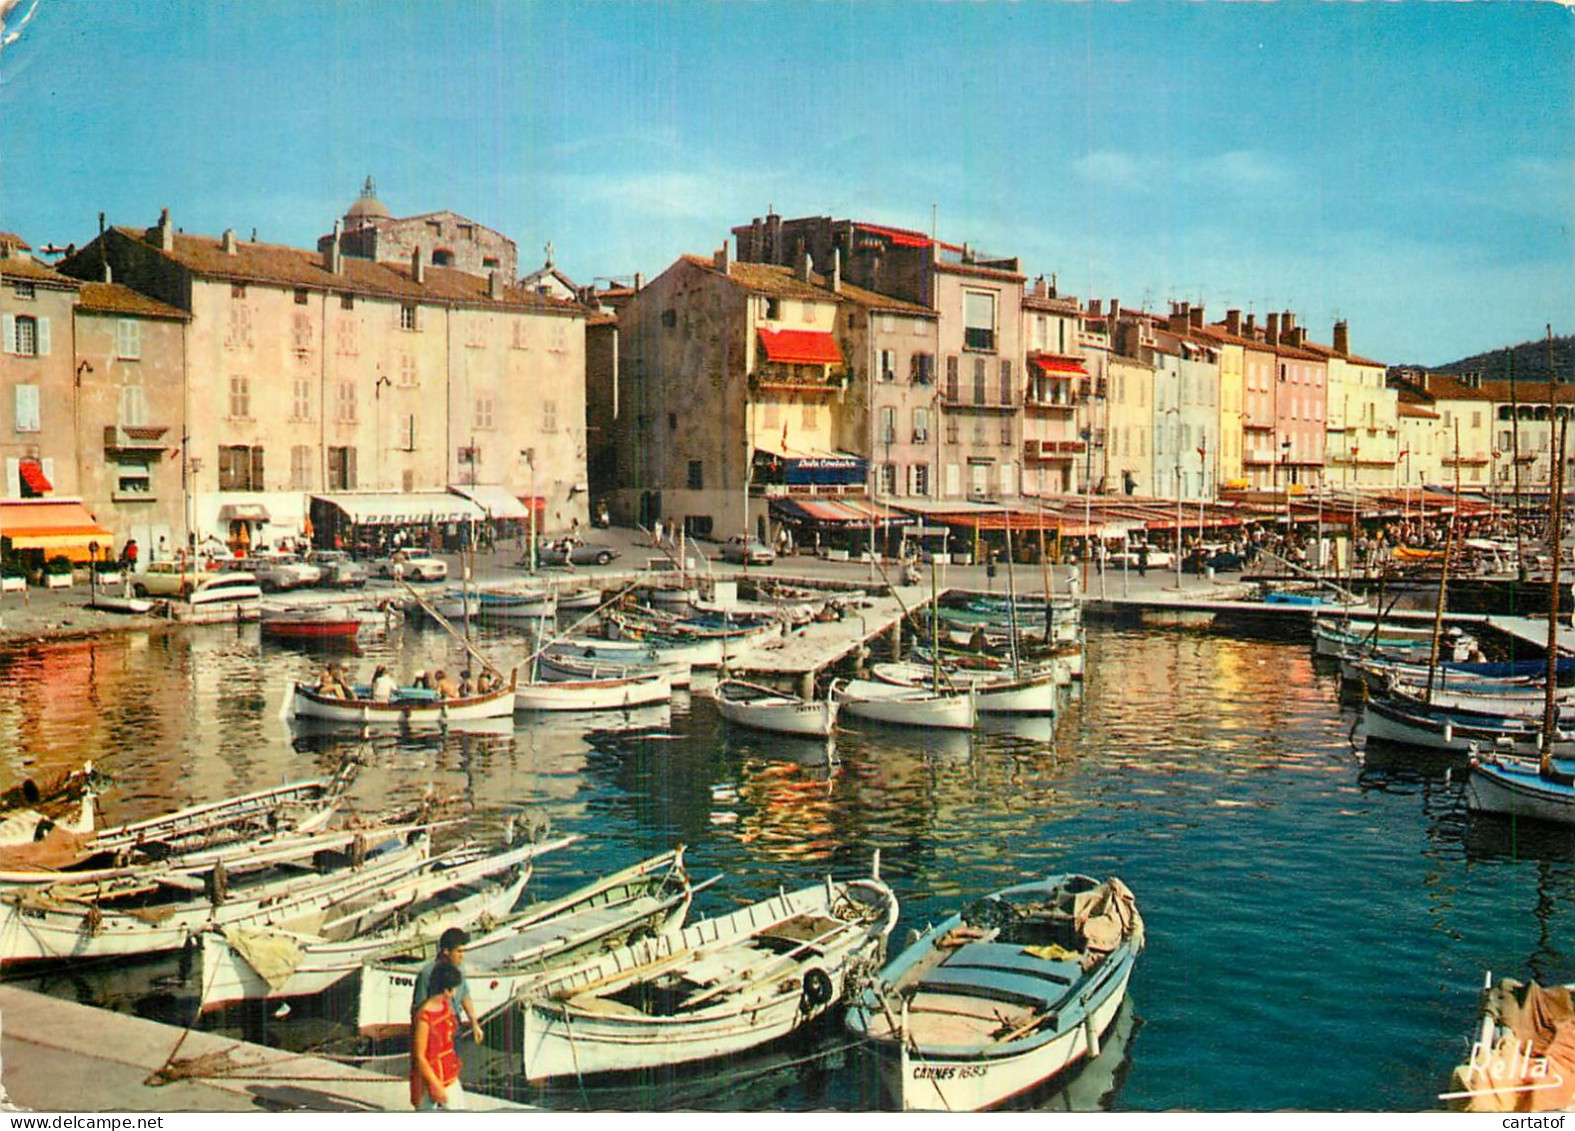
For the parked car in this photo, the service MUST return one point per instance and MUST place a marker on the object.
(224, 588)
(1221, 559)
(748, 551)
(338, 569)
(584, 553)
(412, 567)
(1131, 558)
(281, 571)
(168, 579)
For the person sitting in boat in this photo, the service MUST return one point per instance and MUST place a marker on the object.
(346, 690)
(328, 683)
(486, 683)
(465, 686)
(445, 686)
(382, 685)
(422, 680)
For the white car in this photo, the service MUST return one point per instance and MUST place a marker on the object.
(168, 579)
(1131, 558)
(281, 571)
(413, 567)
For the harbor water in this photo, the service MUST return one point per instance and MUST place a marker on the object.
(1318, 920)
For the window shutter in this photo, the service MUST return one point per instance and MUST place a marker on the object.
(27, 408)
(257, 469)
(43, 337)
(47, 466)
(8, 327)
(350, 480)
(13, 478)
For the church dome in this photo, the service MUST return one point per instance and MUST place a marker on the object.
(367, 208)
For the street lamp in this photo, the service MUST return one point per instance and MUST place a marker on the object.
(530, 460)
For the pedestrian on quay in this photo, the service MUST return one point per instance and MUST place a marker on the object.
(434, 1061)
(451, 952)
(128, 553)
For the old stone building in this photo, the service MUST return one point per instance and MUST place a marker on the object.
(441, 239)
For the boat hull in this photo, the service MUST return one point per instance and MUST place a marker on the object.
(902, 706)
(1514, 788)
(786, 714)
(402, 712)
(594, 694)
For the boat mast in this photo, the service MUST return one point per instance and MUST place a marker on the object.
(1514, 451)
(1011, 603)
(1443, 573)
(1556, 536)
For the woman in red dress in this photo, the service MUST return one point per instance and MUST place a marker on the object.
(434, 1062)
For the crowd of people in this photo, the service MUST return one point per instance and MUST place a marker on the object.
(334, 683)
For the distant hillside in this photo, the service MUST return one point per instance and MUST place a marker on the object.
(1531, 362)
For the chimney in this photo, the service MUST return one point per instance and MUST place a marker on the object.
(835, 282)
(1052, 286)
(227, 241)
(1342, 339)
(109, 272)
(1287, 324)
(1180, 317)
(1271, 333)
(1114, 312)
(1233, 323)
(161, 235)
(801, 265)
(1041, 288)
(494, 286)
(333, 256)
(639, 282)
(418, 270)
(1196, 315)
(1298, 337)
(1252, 326)
(719, 258)
(1096, 308)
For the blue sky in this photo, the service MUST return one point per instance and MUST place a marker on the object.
(1407, 166)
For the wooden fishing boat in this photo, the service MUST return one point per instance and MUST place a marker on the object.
(1510, 702)
(1440, 730)
(999, 693)
(762, 708)
(1376, 672)
(497, 604)
(906, 706)
(1002, 996)
(715, 988)
(298, 623)
(577, 599)
(298, 807)
(695, 653)
(150, 912)
(552, 665)
(718, 987)
(307, 955)
(1518, 785)
(646, 900)
(618, 694)
(409, 706)
(1520, 1058)
(1336, 638)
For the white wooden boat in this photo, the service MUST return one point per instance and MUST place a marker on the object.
(149, 913)
(296, 957)
(1517, 786)
(578, 599)
(646, 900)
(297, 807)
(717, 988)
(905, 706)
(1003, 996)
(1518, 1061)
(1389, 722)
(410, 706)
(698, 653)
(998, 693)
(1527, 702)
(497, 604)
(751, 705)
(553, 666)
(617, 694)
(1335, 638)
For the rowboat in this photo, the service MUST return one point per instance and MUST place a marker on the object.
(293, 958)
(579, 599)
(1523, 702)
(649, 899)
(696, 653)
(409, 706)
(997, 693)
(497, 604)
(1517, 786)
(905, 706)
(751, 705)
(1376, 672)
(555, 666)
(1520, 1060)
(1002, 996)
(150, 912)
(1439, 730)
(617, 694)
(717, 988)
(78, 853)
(309, 624)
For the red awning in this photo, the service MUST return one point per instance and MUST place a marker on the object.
(800, 347)
(1068, 365)
(33, 476)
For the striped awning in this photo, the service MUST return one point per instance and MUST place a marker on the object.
(52, 524)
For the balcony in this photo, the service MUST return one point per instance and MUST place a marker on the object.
(950, 400)
(136, 441)
(1465, 461)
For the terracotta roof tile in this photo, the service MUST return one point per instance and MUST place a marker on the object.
(112, 298)
(25, 267)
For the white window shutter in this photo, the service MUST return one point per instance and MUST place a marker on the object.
(43, 337)
(48, 468)
(13, 478)
(8, 326)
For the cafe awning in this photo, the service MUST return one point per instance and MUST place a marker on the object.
(779, 463)
(800, 347)
(402, 510)
(841, 513)
(244, 512)
(498, 502)
(50, 524)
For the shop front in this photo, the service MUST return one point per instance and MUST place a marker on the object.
(375, 525)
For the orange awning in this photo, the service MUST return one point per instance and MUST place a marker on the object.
(32, 473)
(800, 347)
(1070, 366)
(49, 525)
